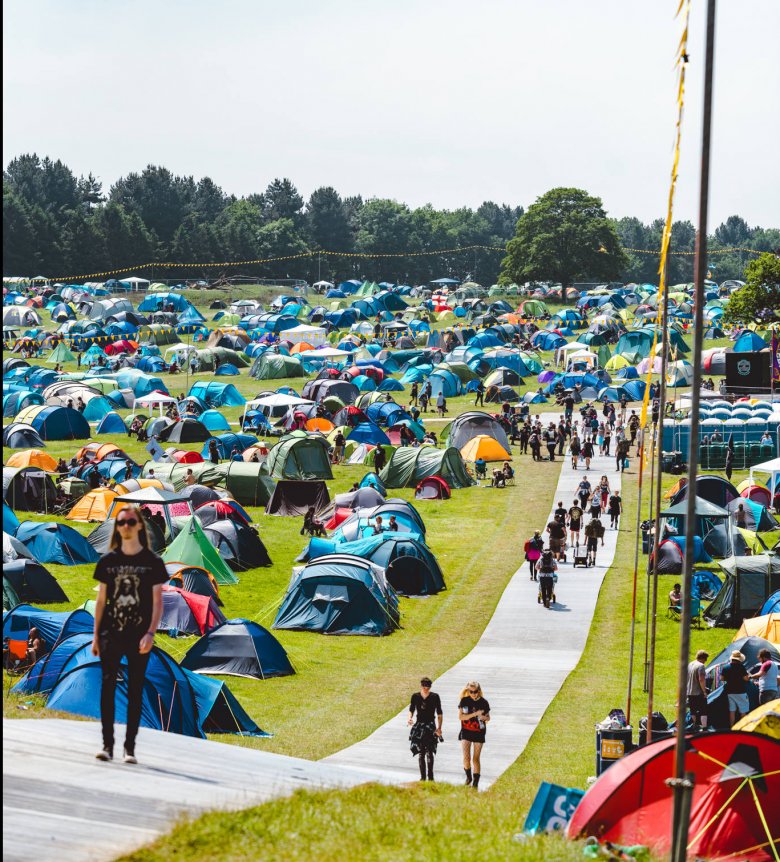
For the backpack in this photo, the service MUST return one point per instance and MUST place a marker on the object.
(546, 563)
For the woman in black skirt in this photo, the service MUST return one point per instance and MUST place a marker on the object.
(425, 734)
(474, 714)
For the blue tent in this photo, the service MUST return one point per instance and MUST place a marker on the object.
(111, 423)
(570, 380)
(339, 594)
(628, 372)
(97, 408)
(485, 339)
(140, 383)
(239, 647)
(371, 480)
(342, 319)
(215, 394)
(364, 383)
(53, 625)
(410, 567)
(369, 432)
(699, 554)
(10, 521)
(151, 364)
(57, 423)
(226, 442)
(214, 420)
(226, 370)
(389, 384)
(547, 340)
(386, 413)
(772, 604)
(56, 543)
(158, 301)
(533, 398)
(445, 381)
(15, 402)
(194, 705)
(416, 374)
(749, 342)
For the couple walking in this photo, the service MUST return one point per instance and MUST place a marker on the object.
(426, 716)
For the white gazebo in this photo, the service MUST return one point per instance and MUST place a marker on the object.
(158, 398)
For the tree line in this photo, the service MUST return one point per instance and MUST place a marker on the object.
(58, 224)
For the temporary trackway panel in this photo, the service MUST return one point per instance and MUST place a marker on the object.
(522, 659)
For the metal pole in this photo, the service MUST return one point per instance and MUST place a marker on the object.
(680, 822)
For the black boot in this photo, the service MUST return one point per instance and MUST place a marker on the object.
(430, 766)
(421, 760)
(468, 777)
(475, 782)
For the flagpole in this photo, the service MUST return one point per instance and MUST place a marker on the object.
(682, 783)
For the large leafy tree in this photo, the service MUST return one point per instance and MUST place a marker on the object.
(563, 237)
(281, 200)
(759, 299)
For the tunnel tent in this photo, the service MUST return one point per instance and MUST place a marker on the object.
(216, 394)
(196, 705)
(174, 473)
(472, 424)
(408, 466)
(55, 423)
(275, 366)
(339, 595)
(32, 582)
(52, 625)
(28, 489)
(238, 544)
(294, 498)
(749, 582)
(298, 456)
(247, 482)
(227, 442)
(239, 647)
(192, 547)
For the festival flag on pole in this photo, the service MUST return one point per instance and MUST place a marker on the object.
(775, 358)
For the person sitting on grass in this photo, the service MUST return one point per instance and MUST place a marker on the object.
(311, 525)
(498, 479)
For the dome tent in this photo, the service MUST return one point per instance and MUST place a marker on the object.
(408, 466)
(239, 647)
(191, 546)
(471, 424)
(56, 543)
(188, 613)
(299, 456)
(238, 544)
(32, 582)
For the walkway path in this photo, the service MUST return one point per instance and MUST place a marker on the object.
(62, 805)
(522, 659)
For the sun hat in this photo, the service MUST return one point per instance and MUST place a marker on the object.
(737, 656)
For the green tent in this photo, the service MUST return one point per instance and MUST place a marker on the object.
(10, 598)
(193, 548)
(297, 456)
(410, 465)
(247, 483)
(275, 366)
(208, 356)
(61, 353)
(205, 473)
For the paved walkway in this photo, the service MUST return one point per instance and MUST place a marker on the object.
(62, 805)
(522, 659)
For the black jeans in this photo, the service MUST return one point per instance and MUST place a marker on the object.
(546, 583)
(112, 649)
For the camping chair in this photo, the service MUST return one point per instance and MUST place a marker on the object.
(674, 612)
(480, 471)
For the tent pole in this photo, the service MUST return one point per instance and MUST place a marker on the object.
(680, 819)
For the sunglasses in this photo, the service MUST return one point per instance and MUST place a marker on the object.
(127, 522)
(473, 690)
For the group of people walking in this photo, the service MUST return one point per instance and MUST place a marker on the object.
(426, 717)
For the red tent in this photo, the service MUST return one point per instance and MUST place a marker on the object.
(737, 774)
(339, 516)
(123, 345)
(182, 456)
(224, 510)
(203, 609)
(433, 488)
(758, 494)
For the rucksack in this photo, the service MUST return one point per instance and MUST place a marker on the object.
(546, 564)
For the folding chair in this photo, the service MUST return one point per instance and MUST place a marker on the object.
(673, 612)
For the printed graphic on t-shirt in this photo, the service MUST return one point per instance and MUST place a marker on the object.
(126, 599)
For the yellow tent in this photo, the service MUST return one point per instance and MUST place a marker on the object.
(764, 719)
(33, 458)
(486, 448)
(93, 506)
(616, 362)
(759, 542)
(142, 483)
(766, 626)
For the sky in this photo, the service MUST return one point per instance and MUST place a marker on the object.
(445, 102)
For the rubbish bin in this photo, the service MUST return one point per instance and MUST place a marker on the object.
(664, 733)
(611, 745)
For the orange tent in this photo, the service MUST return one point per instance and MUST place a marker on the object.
(262, 452)
(33, 458)
(316, 423)
(140, 483)
(301, 347)
(93, 506)
(98, 451)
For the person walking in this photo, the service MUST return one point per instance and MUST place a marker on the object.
(735, 677)
(414, 394)
(621, 455)
(480, 394)
(213, 451)
(547, 569)
(533, 551)
(425, 719)
(574, 450)
(587, 452)
(604, 491)
(766, 676)
(473, 714)
(127, 614)
(615, 508)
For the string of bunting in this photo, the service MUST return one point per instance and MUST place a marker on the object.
(351, 254)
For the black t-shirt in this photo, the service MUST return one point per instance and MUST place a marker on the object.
(469, 704)
(560, 512)
(733, 677)
(425, 708)
(556, 530)
(129, 580)
(575, 517)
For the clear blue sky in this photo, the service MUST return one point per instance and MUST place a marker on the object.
(442, 101)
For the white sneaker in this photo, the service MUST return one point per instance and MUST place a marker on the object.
(129, 758)
(105, 754)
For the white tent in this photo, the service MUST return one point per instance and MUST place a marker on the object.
(772, 467)
(136, 282)
(275, 403)
(153, 398)
(314, 335)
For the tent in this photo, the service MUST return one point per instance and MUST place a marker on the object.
(294, 497)
(56, 543)
(749, 582)
(186, 430)
(486, 448)
(408, 466)
(100, 537)
(362, 498)
(339, 594)
(246, 482)
(239, 647)
(297, 456)
(766, 626)
(238, 544)
(191, 546)
(714, 489)
(93, 506)
(32, 458)
(275, 366)
(361, 522)
(195, 705)
(111, 423)
(32, 582)
(670, 559)
(772, 604)
(193, 579)
(471, 424)
(185, 613)
(10, 521)
(214, 420)
(55, 423)
(52, 625)
(763, 719)
(215, 394)
(28, 489)
(227, 442)
(432, 488)
(20, 435)
(735, 778)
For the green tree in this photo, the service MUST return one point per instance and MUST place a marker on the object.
(90, 191)
(127, 240)
(759, 299)
(20, 248)
(280, 238)
(282, 201)
(564, 236)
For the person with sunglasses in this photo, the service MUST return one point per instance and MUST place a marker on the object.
(425, 718)
(127, 614)
(474, 714)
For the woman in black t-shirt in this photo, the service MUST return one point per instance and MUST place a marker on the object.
(127, 613)
(474, 714)
(425, 734)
